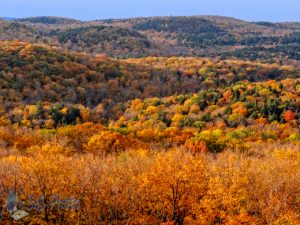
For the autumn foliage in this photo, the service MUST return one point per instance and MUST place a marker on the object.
(158, 140)
(155, 187)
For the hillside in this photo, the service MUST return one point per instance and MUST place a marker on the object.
(32, 73)
(42, 87)
(12, 31)
(204, 36)
(242, 113)
(51, 20)
(212, 35)
(113, 41)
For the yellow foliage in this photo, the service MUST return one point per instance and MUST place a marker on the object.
(109, 142)
(177, 118)
(64, 110)
(151, 110)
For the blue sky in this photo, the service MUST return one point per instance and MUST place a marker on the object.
(251, 10)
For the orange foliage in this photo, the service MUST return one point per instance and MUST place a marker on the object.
(289, 115)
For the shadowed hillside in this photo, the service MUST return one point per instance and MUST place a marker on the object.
(164, 36)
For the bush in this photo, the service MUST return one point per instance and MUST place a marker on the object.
(214, 140)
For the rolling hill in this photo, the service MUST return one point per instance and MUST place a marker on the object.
(51, 20)
(210, 36)
(32, 73)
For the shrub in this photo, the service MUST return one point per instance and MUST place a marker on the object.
(214, 140)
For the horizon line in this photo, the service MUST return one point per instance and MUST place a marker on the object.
(141, 17)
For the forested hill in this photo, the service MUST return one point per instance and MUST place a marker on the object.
(32, 74)
(48, 20)
(163, 36)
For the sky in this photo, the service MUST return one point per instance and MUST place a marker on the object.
(250, 10)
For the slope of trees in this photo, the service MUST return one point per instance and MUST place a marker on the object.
(57, 81)
(192, 32)
(162, 36)
(215, 118)
(115, 41)
(52, 20)
(13, 31)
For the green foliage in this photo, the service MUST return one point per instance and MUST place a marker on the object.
(65, 116)
(268, 136)
(214, 140)
(239, 134)
(294, 137)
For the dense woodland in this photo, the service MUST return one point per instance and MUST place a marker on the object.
(185, 139)
(162, 36)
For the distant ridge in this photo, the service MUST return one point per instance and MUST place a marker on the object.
(8, 18)
(205, 36)
(44, 19)
(52, 20)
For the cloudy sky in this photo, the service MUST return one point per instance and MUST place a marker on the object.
(251, 10)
